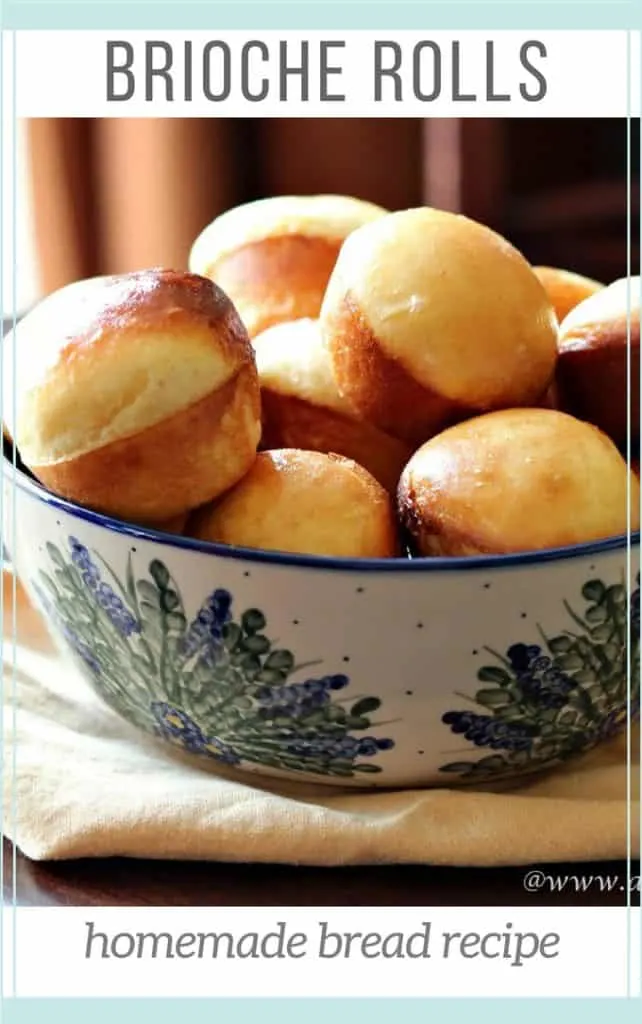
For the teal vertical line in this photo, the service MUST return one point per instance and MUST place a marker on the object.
(14, 578)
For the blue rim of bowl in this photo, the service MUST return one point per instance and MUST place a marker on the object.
(412, 565)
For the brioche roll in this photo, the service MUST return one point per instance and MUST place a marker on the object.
(274, 257)
(137, 395)
(176, 524)
(430, 318)
(301, 407)
(303, 503)
(593, 359)
(565, 289)
(515, 480)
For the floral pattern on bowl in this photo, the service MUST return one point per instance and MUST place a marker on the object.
(218, 687)
(215, 686)
(544, 702)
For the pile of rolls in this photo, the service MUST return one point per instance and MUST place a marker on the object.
(331, 378)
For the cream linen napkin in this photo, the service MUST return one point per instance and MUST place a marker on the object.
(86, 785)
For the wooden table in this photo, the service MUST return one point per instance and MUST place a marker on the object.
(120, 882)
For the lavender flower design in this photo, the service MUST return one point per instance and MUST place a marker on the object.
(551, 700)
(214, 685)
(78, 646)
(177, 727)
(204, 636)
(111, 604)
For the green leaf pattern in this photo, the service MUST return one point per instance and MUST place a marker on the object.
(217, 685)
(543, 702)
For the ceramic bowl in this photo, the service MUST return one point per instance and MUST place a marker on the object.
(359, 673)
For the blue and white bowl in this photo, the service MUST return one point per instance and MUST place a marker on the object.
(359, 673)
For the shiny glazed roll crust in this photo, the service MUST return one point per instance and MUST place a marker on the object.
(429, 318)
(301, 407)
(565, 289)
(592, 370)
(515, 480)
(137, 395)
(303, 503)
(274, 257)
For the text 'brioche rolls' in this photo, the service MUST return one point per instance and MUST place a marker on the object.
(303, 503)
(137, 395)
(594, 342)
(565, 289)
(301, 407)
(430, 317)
(274, 257)
(515, 480)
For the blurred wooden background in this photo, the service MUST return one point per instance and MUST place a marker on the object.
(115, 195)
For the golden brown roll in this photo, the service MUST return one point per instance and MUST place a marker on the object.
(176, 524)
(565, 289)
(301, 407)
(274, 257)
(303, 503)
(430, 318)
(515, 480)
(592, 369)
(137, 395)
